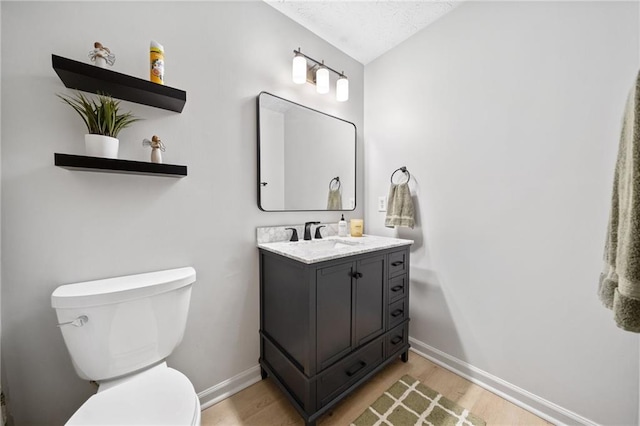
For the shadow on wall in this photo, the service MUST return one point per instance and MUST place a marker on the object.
(430, 315)
(432, 322)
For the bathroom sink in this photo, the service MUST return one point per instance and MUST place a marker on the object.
(312, 251)
(323, 245)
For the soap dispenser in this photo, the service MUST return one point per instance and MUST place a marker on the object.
(342, 227)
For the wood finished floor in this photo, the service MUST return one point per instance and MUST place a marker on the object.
(262, 404)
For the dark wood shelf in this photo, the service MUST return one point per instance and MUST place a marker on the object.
(114, 165)
(93, 79)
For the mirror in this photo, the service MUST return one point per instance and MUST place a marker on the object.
(306, 158)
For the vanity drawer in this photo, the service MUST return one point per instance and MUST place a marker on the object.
(397, 288)
(397, 338)
(398, 262)
(342, 375)
(398, 312)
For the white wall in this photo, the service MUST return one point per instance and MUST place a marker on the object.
(507, 115)
(61, 226)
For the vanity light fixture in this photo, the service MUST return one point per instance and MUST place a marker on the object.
(318, 74)
(299, 69)
(342, 89)
(322, 80)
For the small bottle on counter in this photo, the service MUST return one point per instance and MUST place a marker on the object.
(342, 227)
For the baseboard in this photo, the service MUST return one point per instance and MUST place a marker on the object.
(223, 390)
(539, 406)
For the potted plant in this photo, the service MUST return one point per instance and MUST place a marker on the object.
(103, 120)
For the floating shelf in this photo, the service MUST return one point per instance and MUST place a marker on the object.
(93, 79)
(113, 165)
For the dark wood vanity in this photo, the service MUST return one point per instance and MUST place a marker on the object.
(327, 327)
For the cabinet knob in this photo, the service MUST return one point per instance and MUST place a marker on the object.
(356, 275)
(397, 312)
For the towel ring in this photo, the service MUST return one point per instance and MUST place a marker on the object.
(337, 181)
(404, 170)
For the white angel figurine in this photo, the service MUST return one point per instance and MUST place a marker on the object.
(156, 147)
(101, 55)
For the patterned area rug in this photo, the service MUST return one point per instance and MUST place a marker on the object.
(409, 402)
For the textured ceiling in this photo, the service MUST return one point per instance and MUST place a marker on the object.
(363, 29)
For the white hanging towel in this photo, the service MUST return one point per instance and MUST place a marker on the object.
(400, 211)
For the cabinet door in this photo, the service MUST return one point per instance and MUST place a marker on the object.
(370, 300)
(334, 302)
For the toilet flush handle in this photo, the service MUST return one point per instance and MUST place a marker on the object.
(78, 322)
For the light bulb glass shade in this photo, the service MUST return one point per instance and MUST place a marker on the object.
(299, 69)
(322, 80)
(342, 89)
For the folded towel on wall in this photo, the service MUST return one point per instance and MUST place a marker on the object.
(619, 287)
(400, 211)
(334, 201)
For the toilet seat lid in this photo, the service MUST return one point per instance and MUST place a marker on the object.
(158, 397)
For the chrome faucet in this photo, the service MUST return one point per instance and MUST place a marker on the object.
(307, 229)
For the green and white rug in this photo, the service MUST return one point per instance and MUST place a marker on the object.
(410, 403)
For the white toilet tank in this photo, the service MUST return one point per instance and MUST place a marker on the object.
(116, 326)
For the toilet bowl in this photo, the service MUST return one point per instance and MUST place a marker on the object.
(118, 332)
(143, 399)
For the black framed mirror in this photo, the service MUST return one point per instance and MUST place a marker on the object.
(306, 158)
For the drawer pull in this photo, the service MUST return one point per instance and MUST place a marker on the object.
(397, 263)
(354, 369)
(396, 340)
(397, 312)
(397, 288)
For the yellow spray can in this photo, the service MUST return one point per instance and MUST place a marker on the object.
(156, 58)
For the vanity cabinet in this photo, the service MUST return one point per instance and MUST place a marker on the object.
(327, 327)
(350, 307)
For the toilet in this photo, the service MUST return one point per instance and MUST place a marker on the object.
(119, 331)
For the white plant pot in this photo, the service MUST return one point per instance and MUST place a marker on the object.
(101, 146)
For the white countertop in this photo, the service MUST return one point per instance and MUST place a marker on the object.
(332, 247)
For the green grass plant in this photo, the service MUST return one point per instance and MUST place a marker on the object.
(102, 117)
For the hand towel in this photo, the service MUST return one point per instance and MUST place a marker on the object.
(619, 287)
(400, 211)
(334, 202)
